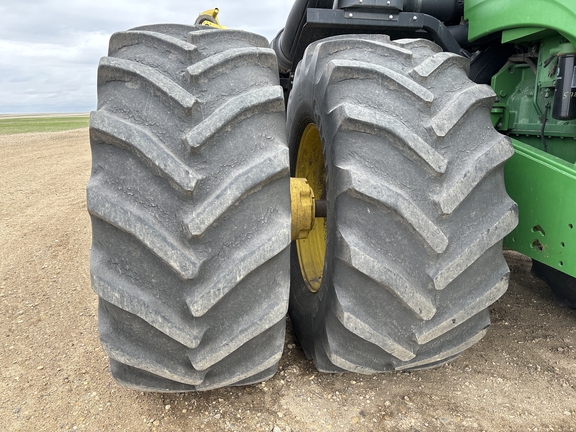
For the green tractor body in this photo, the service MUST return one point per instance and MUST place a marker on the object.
(541, 176)
(520, 20)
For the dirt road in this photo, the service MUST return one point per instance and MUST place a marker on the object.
(520, 377)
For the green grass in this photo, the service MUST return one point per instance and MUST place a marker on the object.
(10, 126)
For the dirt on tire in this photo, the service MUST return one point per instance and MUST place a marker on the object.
(415, 217)
(191, 234)
(55, 376)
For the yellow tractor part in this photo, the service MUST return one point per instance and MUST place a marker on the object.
(303, 208)
(312, 248)
(210, 18)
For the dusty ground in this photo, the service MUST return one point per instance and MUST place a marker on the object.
(521, 377)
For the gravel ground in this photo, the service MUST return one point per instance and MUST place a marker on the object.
(55, 376)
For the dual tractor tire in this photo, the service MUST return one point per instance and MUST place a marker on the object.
(189, 201)
(417, 208)
(191, 228)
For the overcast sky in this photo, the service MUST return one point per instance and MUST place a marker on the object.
(49, 49)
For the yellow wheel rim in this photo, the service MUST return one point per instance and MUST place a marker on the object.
(310, 165)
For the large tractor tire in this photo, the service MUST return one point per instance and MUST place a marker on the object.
(563, 286)
(190, 216)
(398, 140)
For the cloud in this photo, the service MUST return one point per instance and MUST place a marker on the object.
(50, 49)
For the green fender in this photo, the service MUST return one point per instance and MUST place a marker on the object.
(520, 19)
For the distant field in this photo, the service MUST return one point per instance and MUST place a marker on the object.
(10, 126)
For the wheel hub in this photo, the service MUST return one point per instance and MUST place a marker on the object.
(303, 208)
(311, 233)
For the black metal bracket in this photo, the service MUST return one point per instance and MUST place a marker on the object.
(323, 23)
(381, 4)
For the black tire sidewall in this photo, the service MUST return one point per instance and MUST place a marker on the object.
(306, 308)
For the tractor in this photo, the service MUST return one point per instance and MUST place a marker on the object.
(362, 172)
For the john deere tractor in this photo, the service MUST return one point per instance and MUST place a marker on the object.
(354, 173)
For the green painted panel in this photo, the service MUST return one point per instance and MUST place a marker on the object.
(522, 97)
(489, 16)
(518, 35)
(544, 187)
